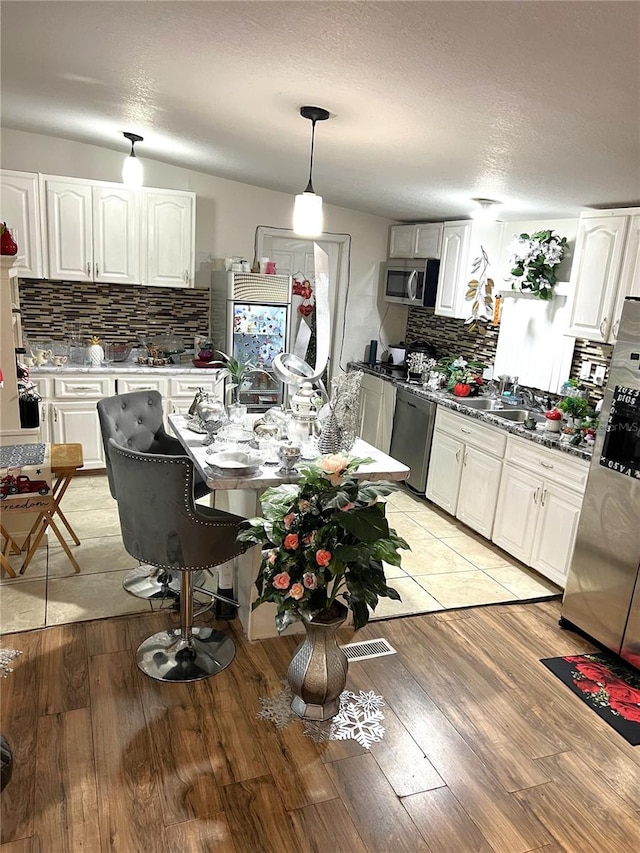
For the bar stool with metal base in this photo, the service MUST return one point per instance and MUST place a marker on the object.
(163, 526)
(135, 421)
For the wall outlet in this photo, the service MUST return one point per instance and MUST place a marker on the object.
(585, 370)
(598, 376)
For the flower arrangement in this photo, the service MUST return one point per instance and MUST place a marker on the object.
(323, 537)
(534, 259)
(464, 378)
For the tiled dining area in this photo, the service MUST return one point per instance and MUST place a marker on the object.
(448, 566)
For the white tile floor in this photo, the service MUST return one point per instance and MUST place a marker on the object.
(448, 566)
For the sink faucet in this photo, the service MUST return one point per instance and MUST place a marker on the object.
(530, 398)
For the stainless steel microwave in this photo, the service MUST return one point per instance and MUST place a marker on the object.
(411, 282)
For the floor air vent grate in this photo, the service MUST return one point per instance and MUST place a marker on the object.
(367, 649)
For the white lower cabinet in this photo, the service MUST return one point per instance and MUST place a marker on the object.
(539, 506)
(377, 405)
(69, 415)
(479, 490)
(465, 468)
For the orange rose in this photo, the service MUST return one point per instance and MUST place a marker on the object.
(291, 541)
(288, 520)
(282, 580)
(296, 591)
(323, 558)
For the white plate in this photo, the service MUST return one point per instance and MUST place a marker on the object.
(235, 463)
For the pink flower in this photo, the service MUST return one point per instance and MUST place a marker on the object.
(309, 538)
(333, 466)
(310, 581)
(282, 580)
(323, 558)
(291, 541)
(288, 520)
(347, 507)
(273, 556)
(296, 591)
(303, 505)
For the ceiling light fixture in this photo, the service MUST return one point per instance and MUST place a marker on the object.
(132, 169)
(307, 212)
(488, 210)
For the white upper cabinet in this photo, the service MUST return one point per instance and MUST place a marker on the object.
(69, 230)
(421, 240)
(20, 209)
(630, 275)
(462, 243)
(91, 231)
(116, 253)
(168, 237)
(605, 270)
(453, 266)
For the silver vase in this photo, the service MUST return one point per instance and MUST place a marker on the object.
(318, 670)
(331, 437)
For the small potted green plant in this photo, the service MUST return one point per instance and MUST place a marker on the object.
(575, 409)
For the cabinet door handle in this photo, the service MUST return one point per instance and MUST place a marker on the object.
(535, 495)
(88, 269)
(543, 496)
(97, 270)
(603, 327)
(186, 276)
(55, 415)
(82, 388)
(43, 413)
(464, 459)
(465, 431)
(546, 464)
(458, 451)
(616, 326)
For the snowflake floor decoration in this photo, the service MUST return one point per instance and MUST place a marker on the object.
(359, 717)
(6, 656)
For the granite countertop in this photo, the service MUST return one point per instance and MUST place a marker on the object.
(123, 367)
(443, 398)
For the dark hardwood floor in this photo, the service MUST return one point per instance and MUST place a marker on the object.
(485, 750)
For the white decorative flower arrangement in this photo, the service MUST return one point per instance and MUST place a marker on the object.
(533, 261)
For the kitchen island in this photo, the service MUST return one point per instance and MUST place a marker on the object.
(240, 495)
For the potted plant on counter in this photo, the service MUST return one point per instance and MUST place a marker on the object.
(464, 378)
(575, 409)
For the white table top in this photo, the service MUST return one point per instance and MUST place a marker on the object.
(383, 467)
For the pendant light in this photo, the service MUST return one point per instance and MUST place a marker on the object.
(307, 212)
(132, 169)
(487, 211)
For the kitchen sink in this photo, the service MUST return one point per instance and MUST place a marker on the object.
(519, 415)
(484, 403)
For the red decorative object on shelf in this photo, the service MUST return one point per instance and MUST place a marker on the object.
(8, 245)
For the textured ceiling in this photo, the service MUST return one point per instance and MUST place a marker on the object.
(536, 104)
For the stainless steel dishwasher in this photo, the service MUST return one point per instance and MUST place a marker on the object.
(411, 438)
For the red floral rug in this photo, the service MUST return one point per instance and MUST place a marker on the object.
(607, 685)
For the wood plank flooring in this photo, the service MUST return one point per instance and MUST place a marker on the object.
(485, 750)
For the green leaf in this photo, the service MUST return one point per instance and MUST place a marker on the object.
(364, 524)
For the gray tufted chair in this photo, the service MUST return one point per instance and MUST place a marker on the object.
(163, 526)
(135, 421)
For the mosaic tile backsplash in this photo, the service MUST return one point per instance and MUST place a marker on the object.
(449, 336)
(117, 313)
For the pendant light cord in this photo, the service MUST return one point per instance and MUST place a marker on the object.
(309, 188)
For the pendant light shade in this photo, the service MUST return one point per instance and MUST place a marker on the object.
(308, 219)
(132, 169)
(487, 211)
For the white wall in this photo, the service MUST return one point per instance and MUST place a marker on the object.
(227, 214)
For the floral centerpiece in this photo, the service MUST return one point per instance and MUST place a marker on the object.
(324, 540)
(464, 378)
(533, 261)
(324, 537)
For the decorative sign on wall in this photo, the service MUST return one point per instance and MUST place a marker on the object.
(25, 478)
(621, 448)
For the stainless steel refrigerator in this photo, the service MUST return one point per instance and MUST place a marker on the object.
(250, 319)
(602, 595)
